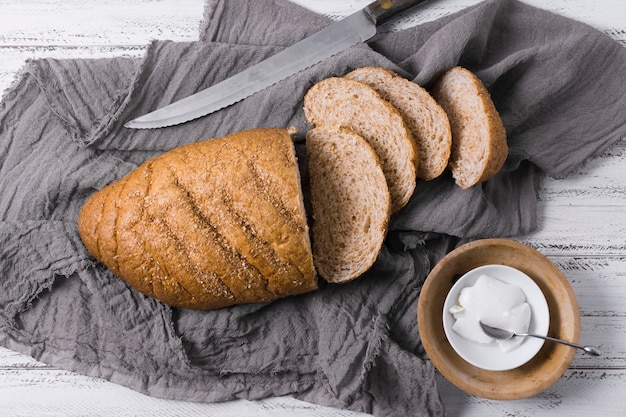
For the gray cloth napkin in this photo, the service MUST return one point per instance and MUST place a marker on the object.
(559, 86)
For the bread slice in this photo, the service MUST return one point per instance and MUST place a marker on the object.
(339, 101)
(479, 146)
(351, 203)
(207, 225)
(427, 121)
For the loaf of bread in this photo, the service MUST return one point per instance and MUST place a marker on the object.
(207, 225)
(426, 120)
(223, 222)
(479, 146)
(351, 203)
(342, 102)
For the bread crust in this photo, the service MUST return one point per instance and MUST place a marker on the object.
(425, 118)
(479, 146)
(207, 225)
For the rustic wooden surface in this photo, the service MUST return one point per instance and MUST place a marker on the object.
(582, 222)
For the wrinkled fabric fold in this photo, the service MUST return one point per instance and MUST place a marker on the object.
(557, 83)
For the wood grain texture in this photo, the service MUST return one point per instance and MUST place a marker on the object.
(582, 221)
(600, 181)
(54, 392)
(589, 393)
(74, 23)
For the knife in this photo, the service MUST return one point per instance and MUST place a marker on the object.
(356, 28)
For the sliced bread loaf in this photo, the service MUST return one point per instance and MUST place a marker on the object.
(351, 203)
(339, 101)
(207, 225)
(427, 121)
(479, 146)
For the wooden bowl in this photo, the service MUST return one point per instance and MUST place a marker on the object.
(551, 361)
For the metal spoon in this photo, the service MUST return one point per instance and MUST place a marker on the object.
(505, 334)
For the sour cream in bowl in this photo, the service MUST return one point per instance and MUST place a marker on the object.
(500, 296)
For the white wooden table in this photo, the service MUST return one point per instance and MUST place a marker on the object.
(582, 224)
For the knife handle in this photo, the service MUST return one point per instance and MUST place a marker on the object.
(381, 10)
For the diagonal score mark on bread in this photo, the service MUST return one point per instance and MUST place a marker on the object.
(207, 225)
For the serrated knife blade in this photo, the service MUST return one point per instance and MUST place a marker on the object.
(356, 28)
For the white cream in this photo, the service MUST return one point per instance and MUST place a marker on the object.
(495, 303)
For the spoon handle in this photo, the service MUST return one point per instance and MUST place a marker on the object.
(588, 349)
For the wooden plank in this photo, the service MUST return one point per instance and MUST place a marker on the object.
(593, 393)
(586, 212)
(599, 283)
(608, 334)
(579, 230)
(57, 392)
(51, 392)
(600, 181)
(11, 360)
(109, 22)
(89, 29)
